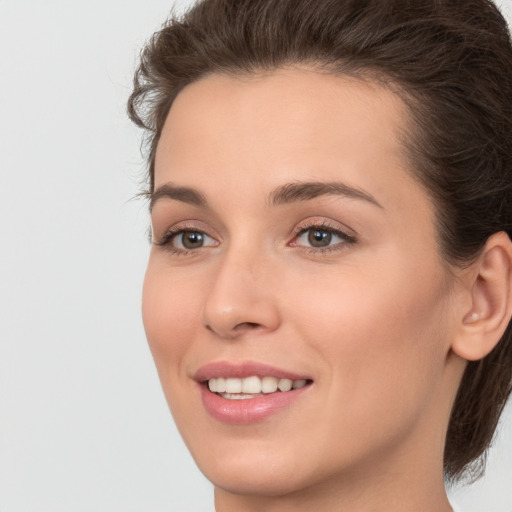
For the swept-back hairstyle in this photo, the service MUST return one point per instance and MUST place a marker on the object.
(451, 63)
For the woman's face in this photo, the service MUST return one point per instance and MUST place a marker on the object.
(290, 242)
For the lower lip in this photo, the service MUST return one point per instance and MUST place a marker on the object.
(250, 410)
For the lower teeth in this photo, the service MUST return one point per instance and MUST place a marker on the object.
(239, 396)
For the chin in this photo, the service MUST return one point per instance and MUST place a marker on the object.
(259, 468)
(268, 479)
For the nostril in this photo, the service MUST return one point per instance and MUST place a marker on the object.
(228, 314)
(238, 329)
(246, 326)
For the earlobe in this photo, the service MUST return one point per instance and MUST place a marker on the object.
(484, 324)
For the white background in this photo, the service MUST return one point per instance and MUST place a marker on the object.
(83, 422)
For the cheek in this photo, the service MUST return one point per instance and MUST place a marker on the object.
(382, 335)
(170, 313)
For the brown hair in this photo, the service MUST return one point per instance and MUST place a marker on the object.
(450, 61)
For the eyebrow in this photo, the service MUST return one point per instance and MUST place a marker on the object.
(292, 192)
(184, 194)
(284, 194)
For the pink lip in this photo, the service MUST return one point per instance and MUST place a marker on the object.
(243, 412)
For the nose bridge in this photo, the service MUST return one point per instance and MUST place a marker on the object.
(240, 297)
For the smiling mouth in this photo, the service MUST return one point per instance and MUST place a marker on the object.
(232, 388)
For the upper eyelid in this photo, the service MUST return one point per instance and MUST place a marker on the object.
(324, 223)
(322, 228)
(189, 225)
(346, 238)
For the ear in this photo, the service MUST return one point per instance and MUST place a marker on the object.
(490, 288)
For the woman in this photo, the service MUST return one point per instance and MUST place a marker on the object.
(329, 292)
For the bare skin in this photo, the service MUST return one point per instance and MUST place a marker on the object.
(371, 312)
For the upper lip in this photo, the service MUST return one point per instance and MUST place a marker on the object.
(243, 369)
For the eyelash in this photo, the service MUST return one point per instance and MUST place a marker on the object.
(327, 227)
(173, 232)
(170, 234)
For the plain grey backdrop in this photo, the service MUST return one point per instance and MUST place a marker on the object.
(83, 423)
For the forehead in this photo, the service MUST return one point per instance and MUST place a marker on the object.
(281, 126)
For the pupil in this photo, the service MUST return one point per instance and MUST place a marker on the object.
(192, 239)
(319, 238)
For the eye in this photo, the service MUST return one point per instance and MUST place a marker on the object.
(187, 240)
(321, 237)
(318, 237)
(182, 240)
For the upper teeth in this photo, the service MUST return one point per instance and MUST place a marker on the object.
(253, 384)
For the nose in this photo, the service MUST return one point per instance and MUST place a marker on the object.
(241, 300)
